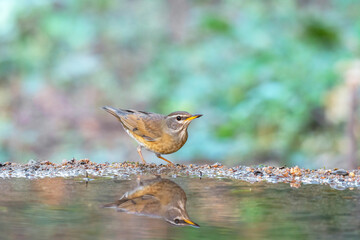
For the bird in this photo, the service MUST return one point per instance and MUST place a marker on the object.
(156, 198)
(161, 134)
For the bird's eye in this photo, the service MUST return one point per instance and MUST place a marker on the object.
(177, 221)
(178, 118)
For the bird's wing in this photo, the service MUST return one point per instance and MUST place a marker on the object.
(146, 204)
(144, 124)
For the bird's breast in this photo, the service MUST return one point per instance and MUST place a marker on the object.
(166, 144)
(137, 138)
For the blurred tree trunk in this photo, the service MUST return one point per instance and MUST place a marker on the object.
(178, 11)
(352, 79)
(351, 127)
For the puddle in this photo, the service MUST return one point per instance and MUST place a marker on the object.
(68, 208)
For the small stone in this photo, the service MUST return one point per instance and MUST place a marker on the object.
(32, 162)
(295, 171)
(295, 184)
(84, 161)
(340, 172)
(257, 173)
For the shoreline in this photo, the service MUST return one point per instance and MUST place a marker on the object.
(338, 179)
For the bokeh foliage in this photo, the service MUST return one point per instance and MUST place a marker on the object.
(259, 71)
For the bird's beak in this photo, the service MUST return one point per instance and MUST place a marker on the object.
(193, 117)
(188, 221)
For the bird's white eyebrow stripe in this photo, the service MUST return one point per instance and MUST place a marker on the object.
(181, 205)
(174, 208)
(182, 116)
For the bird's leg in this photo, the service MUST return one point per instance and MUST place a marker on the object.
(159, 156)
(138, 181)
(141, 156)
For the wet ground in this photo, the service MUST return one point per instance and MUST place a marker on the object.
(335, 178)
(305, 204)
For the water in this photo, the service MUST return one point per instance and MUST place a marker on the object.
(60, 208)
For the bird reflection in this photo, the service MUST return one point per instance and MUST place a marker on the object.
(158, 198)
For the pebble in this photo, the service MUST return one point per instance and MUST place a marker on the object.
(338, 179)
(341, 172)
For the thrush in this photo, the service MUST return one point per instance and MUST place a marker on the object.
(161, 134)
(158, 198)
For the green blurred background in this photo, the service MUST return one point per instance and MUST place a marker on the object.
(267, 75)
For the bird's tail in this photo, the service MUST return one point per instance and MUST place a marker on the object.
(109, 205)
(114, 204)
(113, 111)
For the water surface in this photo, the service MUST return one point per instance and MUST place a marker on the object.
(60, 208)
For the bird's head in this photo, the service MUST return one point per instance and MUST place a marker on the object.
(180, 120)
(179, 217)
